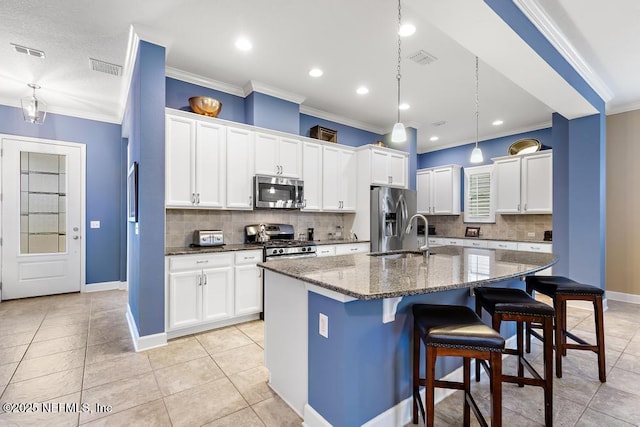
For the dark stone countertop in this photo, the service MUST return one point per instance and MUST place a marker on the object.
(210, 249)
(368, 277)
(438, 236)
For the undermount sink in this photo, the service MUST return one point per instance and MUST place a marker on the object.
(398, 254)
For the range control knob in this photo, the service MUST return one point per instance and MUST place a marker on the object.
(281, 250)
(303, 249)
(275, 251)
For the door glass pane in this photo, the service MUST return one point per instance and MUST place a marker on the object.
(42, 203)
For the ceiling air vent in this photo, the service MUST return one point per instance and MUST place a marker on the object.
(105, 67)
(28, 51)
(422, 57)
(439, 123)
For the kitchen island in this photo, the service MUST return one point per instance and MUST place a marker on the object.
(337, 329)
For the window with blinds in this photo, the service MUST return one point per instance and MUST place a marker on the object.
(478, 194)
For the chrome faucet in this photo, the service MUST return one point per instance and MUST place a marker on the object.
(424, 248)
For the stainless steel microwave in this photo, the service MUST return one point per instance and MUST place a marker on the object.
(278, 193)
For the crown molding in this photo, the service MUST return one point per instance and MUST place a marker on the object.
(343, 121)
(543, 22)
(623, 108)
(489, 137)
(254, 86)
(80, 114)
(127, 70)
(411, 124)
(196, 79)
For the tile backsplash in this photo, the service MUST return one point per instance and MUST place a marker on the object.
(181, 223)
(508, 227)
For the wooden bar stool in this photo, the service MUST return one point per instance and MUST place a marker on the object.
(450, 330)
(505, 304)
(561, 290)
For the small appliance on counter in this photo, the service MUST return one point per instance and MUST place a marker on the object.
(208, 238)
(548, 235)
(432, 229)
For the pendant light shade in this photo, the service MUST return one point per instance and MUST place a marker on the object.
(476, 154)
(399, 134)
(33, 109)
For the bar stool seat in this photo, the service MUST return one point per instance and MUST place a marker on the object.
(506, 304)
(562, 289)
(448, 330)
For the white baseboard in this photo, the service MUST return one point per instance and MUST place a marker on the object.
(624, 297)
(213, 325)
(105, 286)
(313, 419)
(146, 342)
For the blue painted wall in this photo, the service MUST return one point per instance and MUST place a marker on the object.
(144, 127)
(347, 135)
(179, 92)
(104, 196)
(560, 135)
(269, 112)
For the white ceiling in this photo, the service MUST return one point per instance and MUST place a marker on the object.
(353, 41)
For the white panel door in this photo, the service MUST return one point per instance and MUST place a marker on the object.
(42, 218)
(442, 191)
(240, 168)
(380, 168)
(312, 176)
(330, 178)
(248, 289)
(217, 293)
(423, 188)
(185, 298)
(180, 155)
(348, 178)
(210, 165)
(290, 157)
(266, 154)
(398, 169)
(537, 184)
(507, 176)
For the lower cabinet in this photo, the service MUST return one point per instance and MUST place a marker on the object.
(352, 248)
(209, 288)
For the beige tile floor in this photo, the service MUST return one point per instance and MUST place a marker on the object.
(73, 349)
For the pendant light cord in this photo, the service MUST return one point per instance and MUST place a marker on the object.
(477, 103)
(399, 75)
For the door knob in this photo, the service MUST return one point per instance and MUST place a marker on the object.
(76, 237)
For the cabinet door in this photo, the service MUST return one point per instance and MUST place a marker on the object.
(266, 154)
(354, 248)
(442, 191)
(398, 169)
(312, 176)
(325, 250)
(423, 188)
(217, 293)
(380, 174)
(210, 165)
(240, 167)
(330, 178)
(248, 289)
(348, 179)
(185, 305)
(537, 184)
(290, 158)
(180, 155)
(507, 176)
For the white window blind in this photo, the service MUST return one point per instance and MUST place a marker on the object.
(478, 203)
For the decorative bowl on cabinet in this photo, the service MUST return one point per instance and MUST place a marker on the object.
(206, 106)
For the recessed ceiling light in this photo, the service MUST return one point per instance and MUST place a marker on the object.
(434, 138)
(362, 90)
(497, 123)
(406, 30)
(315, 72)
(404, 106)
(243, 44)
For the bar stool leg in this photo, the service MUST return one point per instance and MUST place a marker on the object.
(430, 373)
(416, 372)
(599, 316)
(547, 325)
(495, 385)
(519, 333)
(559, 332)
(564, 326)
(467, 389)
(479, 313)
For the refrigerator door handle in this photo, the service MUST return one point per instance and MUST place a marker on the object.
(402, 217)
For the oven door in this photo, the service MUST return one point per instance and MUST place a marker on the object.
(297, 256)
(278, 193)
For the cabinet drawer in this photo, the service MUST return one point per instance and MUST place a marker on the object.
(511, 246)
(476, 243)
(326, 250)
(452, 242)
(535, 247)
(194, 262)
(248, 257)
(352, 249)
(437, 241)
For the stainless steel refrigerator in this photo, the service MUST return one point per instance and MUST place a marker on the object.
(391, 208)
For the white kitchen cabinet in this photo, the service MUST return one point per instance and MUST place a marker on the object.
(535, 247)
(325, 250)
(436, 241)
(200, 289)
(248, 283)
(195, 163)
(276, 155)
(452, 242)
(475, 243)
(385, 167)
(338, 179)
(496, 244)
(240, 168)
(312, 176)
(352, 248)
(524, 184)
(439, 190)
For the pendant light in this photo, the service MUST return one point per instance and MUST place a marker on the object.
(33, 109)
(399, 134)
(476, 154)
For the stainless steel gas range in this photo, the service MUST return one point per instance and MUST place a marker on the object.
(279, 241)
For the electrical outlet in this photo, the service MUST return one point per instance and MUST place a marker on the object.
(323, 325)
(94, 224)
(531, 234)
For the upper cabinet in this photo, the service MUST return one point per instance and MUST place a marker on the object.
(338, 179)
(439, 190)
(380, 166)
(524, 184)
(312, 176)
(195, 163)
(276, 155)
(240, 145)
